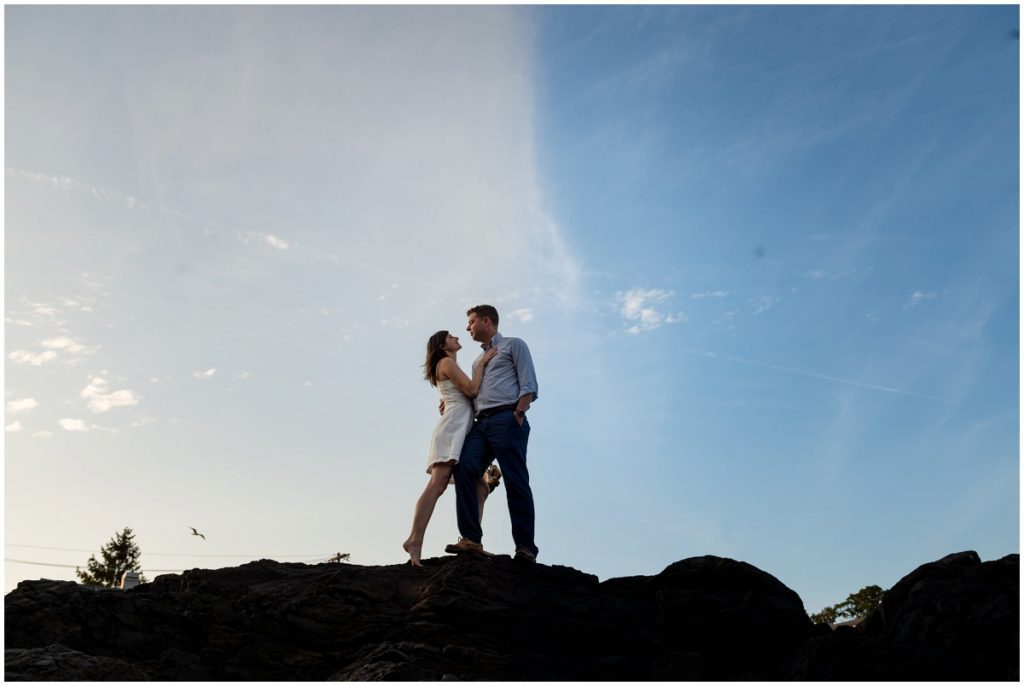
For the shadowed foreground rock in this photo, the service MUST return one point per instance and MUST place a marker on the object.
(704, 618)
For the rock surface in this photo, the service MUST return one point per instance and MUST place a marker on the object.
(957, 618)
(704, 618)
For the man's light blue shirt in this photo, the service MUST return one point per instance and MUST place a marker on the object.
(509, 376)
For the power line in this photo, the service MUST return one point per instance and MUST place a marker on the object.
(49, 564)
(44, 547)
(41, 564)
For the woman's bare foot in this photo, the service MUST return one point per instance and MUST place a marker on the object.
(414, 550)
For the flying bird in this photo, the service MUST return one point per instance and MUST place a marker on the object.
(196, 533)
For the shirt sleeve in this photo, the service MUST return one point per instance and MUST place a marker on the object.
(523, 362)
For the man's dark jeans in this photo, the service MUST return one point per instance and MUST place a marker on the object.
(497, 437)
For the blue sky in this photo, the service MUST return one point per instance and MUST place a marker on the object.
(766, 258)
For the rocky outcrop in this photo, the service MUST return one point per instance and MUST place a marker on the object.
(954, 619)
(705, 618)
(57, 663)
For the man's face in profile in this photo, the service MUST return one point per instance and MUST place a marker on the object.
(478, 328)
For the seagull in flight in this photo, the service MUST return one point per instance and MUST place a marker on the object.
(196, 533)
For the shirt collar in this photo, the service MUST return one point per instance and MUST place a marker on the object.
(493, 342)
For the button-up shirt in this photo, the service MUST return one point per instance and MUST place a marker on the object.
(509, 376)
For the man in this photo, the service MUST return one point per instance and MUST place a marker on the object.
(500, 431)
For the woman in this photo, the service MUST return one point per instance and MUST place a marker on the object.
(457, 390)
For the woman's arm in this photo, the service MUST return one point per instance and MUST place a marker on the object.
(448, 368)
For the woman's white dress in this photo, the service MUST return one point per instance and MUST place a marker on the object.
(451, 430)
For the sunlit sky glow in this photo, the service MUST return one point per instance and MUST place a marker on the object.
(766, 259)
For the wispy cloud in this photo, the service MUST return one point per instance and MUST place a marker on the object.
(258, 237)
(523, 314)
(53, 311)
(275, 242)
(644, 309)
(101, 401)
(68, 184)
(79, 426)
(62, 183)
(822, 274)
(763, 303)
(709, 294)
(54, 347)
(44, 310)
(74, 304)
(23, 405)
(918, 297)
(74, 425)
(655, 71)
(34, 359)
(487, 196)
(13, 427)
(205, 375)
(65, 343)
(824, 377)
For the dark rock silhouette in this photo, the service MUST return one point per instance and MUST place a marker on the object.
(705, 618)
(954, 619)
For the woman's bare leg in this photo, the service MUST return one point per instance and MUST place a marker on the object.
(482, 491)
(439, 476)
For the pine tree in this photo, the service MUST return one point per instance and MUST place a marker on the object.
(119, 555)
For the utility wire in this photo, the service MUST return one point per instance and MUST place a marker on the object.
(41, 564)
(48, 564)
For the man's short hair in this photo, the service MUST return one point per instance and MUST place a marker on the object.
(484, 311)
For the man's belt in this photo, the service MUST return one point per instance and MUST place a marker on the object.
(494, 410)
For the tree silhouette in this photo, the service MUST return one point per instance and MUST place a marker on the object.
(119, 555)
(859, 604)
(828, 615)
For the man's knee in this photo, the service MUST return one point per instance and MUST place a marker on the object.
(473, 463)
(520, 491)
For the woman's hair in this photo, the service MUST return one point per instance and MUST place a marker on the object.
(435, 353)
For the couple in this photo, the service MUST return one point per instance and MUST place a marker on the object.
(483, 418)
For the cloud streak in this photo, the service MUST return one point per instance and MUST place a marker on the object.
(34, 359)
(918, 297)
(824, 377)
(68, 184)
(763, 303)
(65, 343)
(709, 294)
(258, 237)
